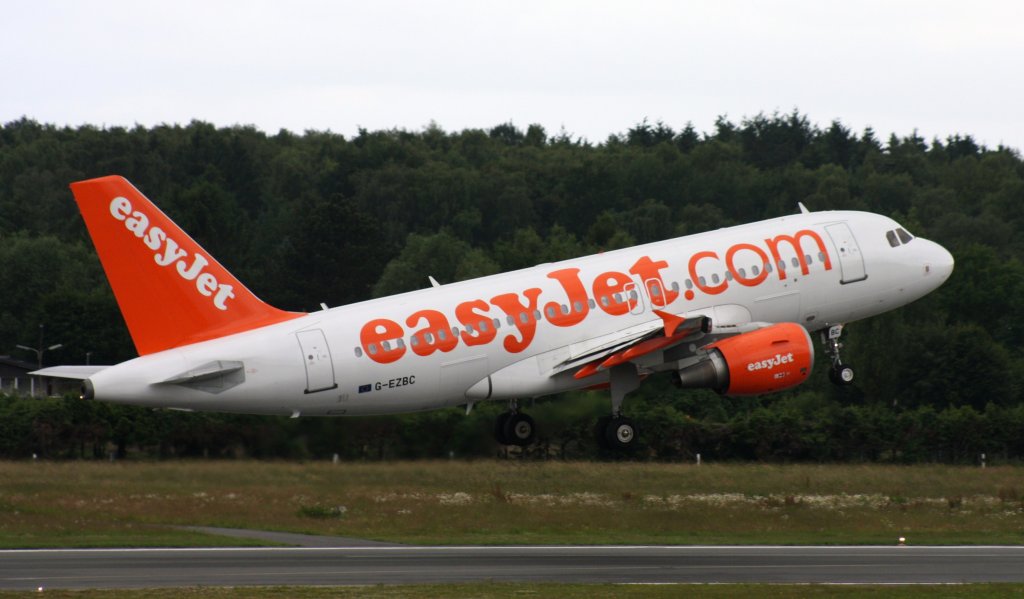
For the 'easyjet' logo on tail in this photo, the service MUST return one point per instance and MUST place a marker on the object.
(169, 252)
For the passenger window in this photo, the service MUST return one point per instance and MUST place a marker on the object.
(551, 311)
(524, 317)
(743, 272)
(373, 349)
(497, 323)
(728, 275)
(688, 283)
(578, 306)
(675, 286)
(821, 256)
(536, 315)
(483, 326)
(807, 257)
(400, 343)
(904, 236)
(442, 335)
(591, 303)
(796, 263)
(359, 352)
(891, 236)
(565, 309)
(754, 271)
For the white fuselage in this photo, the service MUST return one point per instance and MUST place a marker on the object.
(362, 359)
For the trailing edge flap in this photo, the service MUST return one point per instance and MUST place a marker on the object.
(79, 373)
(669, 326)
(210, 372)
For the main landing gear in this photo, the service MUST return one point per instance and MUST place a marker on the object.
(840, 374)
(616, 431)
(513, 427)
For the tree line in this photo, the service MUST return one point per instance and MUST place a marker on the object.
(321, 217)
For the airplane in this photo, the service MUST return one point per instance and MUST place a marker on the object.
(731, 310)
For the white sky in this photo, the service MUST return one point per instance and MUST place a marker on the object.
(594, 68)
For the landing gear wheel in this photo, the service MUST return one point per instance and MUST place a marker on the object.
(499, 428)
(841, 374)
(519, 429)
(620, 433)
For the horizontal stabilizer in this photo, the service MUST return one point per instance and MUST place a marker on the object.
(79, 373)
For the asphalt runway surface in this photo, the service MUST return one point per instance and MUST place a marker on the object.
(125, 568)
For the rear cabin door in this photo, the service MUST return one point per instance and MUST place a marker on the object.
(317, 357)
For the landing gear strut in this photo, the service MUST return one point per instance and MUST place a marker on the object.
(513, 427)
(617, 431)
(840, 374)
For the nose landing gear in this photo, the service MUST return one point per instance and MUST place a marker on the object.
(840, 374)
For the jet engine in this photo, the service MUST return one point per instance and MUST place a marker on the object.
(771, 359)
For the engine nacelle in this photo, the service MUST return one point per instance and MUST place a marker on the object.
(771, 359)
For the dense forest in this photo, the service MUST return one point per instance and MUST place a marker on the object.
(321, 217)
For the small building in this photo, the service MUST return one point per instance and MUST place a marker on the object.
(15, 380)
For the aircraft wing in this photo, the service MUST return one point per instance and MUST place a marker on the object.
(69, 372)
(671, 331)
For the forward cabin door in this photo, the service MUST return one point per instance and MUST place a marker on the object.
(851, 262)
(317, 357)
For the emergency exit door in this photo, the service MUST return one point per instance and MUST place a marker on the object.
(317, 357)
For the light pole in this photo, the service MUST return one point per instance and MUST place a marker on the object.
(40, 349)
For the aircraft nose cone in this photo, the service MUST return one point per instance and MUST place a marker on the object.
(940, 263)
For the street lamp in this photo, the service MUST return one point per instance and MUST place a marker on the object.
(39, 350)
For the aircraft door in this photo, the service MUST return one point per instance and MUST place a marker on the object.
(851, 262)
(317, 356)
(655, 293)
(633, 297)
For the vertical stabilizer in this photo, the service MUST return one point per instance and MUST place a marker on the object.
(170, 290)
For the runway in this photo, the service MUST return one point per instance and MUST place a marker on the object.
(125, 568)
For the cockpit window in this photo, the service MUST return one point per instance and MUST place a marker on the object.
(891, 236)
(904, 236)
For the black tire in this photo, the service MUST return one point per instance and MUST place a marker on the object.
(499, 428)
(519, 429)
(841, 375)
(620, 433)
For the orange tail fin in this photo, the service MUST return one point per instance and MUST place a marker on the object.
(170, 290)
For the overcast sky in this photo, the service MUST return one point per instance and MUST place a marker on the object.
(592, 68)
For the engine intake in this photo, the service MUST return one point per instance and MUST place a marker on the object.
(771, 359)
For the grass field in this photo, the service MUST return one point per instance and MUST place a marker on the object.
(88, 504)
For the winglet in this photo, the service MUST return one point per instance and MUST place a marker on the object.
(170, 290)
